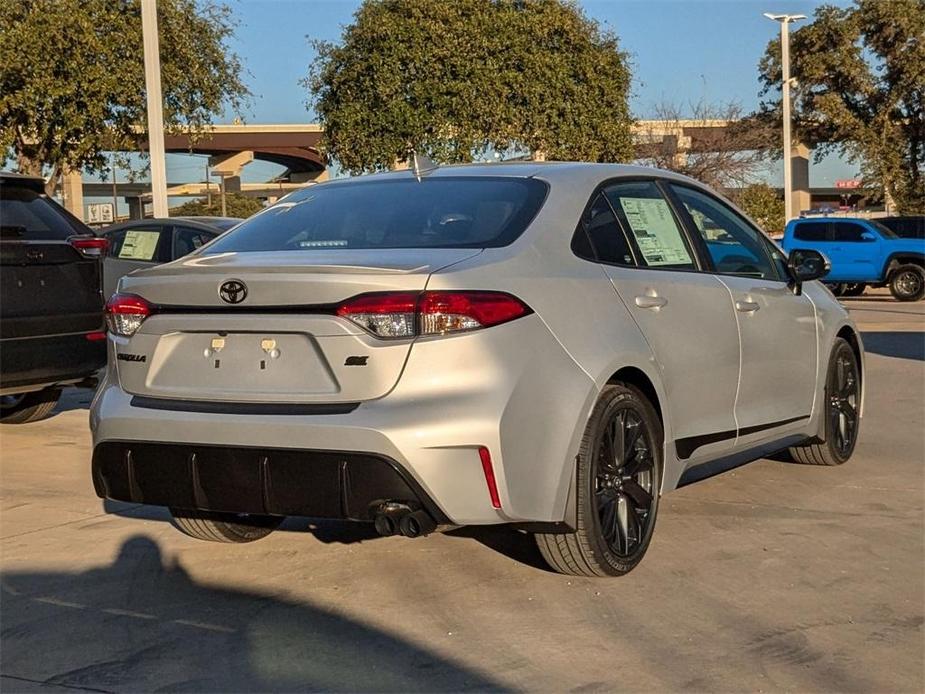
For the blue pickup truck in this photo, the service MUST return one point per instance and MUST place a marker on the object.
(863, 253)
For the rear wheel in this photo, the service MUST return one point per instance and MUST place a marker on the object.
(842, 408)
(619, 477)
(907, 283)
(28, 407)
(855, 289)
(224, 527)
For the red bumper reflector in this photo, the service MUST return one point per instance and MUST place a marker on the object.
(489, 471)
(96, 336)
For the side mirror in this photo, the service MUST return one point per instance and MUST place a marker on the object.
(867, 236)
(805, 265)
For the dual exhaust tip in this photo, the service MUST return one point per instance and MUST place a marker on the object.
(397, 518)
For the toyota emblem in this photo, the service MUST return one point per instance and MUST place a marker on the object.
(233, 291)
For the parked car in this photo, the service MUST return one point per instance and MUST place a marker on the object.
(911, 227)
(143, 243)
(51, 306)
(863, 253)
(546, 345)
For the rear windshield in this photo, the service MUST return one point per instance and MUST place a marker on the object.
(27, 216)
(473, 212)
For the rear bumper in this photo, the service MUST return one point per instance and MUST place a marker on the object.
(270, 481)
(45, 361)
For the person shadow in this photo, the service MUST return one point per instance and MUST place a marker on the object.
(143, 623)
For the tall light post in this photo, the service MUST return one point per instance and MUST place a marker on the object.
(785, 20)
(155, 104)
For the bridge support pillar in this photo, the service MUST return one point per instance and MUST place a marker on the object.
(799, 163)
(136, 207)
(73, 189)
(229, 167)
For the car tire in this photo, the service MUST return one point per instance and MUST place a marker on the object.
(837, 289)
(842, 420)
(617, 495)
(855, 289)
(28, 407)
(907, 283)
(224, 527)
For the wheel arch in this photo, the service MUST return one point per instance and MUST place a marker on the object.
(633, 376)
(902, 258)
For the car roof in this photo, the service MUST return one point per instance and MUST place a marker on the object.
(574, 172)
(193, 222)
(36, 183)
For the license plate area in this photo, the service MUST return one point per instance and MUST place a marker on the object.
(239, 365)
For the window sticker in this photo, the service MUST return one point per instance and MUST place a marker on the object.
(139, 245)
(656, 233)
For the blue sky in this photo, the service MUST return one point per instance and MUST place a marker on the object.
(681, 51)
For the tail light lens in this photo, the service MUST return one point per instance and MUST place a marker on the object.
(407, 314)
(90, 246)
(125, 313)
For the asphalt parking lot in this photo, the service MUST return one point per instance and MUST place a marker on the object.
(774, 576)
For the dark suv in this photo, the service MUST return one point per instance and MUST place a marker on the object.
(51, 304)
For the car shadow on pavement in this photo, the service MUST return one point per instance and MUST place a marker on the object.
(505, 540)
(902, 345)
(143, 623)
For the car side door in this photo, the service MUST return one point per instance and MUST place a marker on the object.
(133, 248)
(686, 316)
(858, 251)
(777, 328)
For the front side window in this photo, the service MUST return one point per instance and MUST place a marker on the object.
(810, 231)
(647, 217)
(393, 212)
(734, 245)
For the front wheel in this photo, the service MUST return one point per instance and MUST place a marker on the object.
(223, 527)
(842, 411)
(907, 283)
(619, 478)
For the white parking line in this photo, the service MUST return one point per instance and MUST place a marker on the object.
(60, 603)
(203, 625)
(128, 613)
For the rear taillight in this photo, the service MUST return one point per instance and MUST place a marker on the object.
(125, 313)
(90, 246)
(407, 314)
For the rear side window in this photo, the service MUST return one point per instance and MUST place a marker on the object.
(436, 212)
(28, 216)
(608, 242)
(645, 214)
(187, 240)
(810, 231)
(135, 244)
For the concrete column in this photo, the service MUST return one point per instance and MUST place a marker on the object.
(799, 157)
(73, 189)
(136, 207)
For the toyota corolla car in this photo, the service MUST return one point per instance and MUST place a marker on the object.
(551, 346)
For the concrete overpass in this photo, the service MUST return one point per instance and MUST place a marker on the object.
(295, 146)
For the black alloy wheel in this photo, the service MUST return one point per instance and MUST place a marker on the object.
(843, 403)
(623, 477)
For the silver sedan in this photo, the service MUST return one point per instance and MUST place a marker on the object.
(551, 346)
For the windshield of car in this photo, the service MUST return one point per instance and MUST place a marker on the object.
(885, 231)
(457, 212)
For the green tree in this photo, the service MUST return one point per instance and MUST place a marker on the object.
(453, 79)
(860, 91)
(236, 205)
(763, 204)
(72, 76)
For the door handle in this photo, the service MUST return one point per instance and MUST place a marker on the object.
(747, 306)
(651, 301)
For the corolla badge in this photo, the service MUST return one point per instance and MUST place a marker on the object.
(233, 291)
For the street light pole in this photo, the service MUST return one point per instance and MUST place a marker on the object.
(155, 104)
(784, 20)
